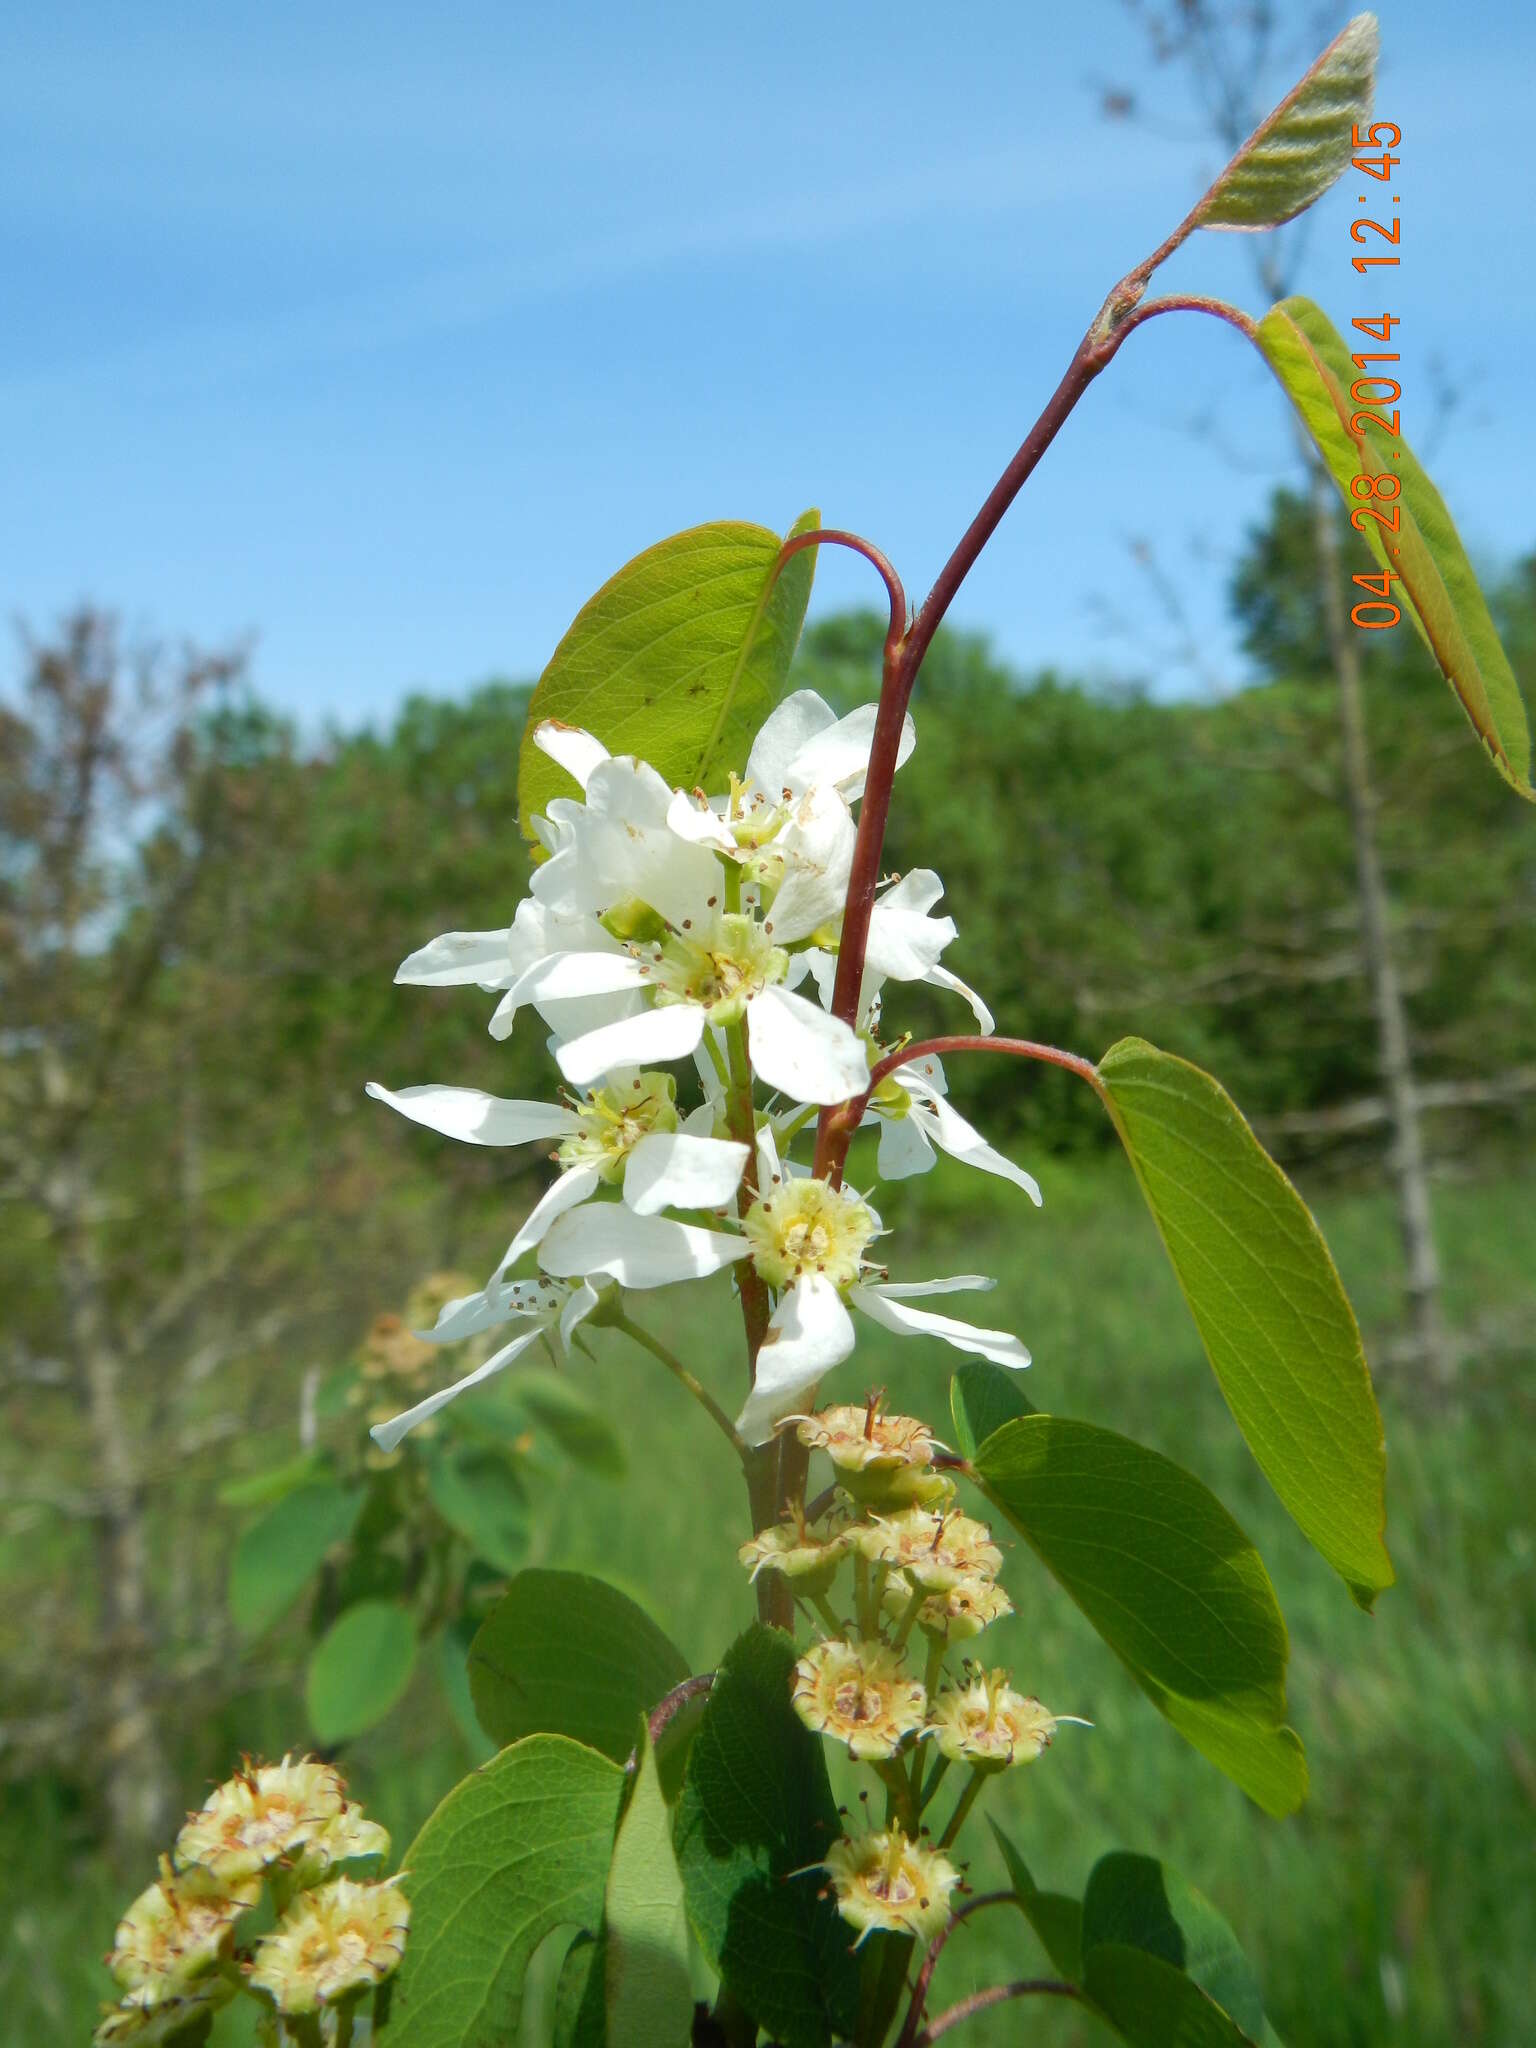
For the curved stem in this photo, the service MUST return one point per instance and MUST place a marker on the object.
(999, 1994)
(841, 1123)
(1190, 302)
(684, 1377)
(836, 537)
(914, 2017)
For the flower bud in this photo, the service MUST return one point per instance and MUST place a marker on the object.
(884, 1883)
(858, 1693)
(341, 1938)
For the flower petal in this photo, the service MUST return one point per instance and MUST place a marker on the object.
(798, 1048)
(562, 975)
(816, 848)
(482, 958)
(839, 754)
(387, 1434)
(878, 1304)
(782, 735)
(699, 824)
(670, 1170)
(570, 1190)
(810, 1332)
(953, 1283)
(474, 1116)
(669, 1031)
(904, 1148)
(637, 1251)
(570, 748)
(964, 1142)
(904, 941)
(940, 977)
(497, 1302)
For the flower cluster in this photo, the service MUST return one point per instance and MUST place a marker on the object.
(287, 1831)
(919, 1566)
(667, 926)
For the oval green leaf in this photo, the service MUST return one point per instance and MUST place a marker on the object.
(518, 1849)
(755, 1818)
(678, 658)
(1056, 1918)
(359, 1669)
(565, 1654)
(278, 1554)
(1137, 1902)
(1267, 1300)
(478, 1493)
(645, 1964)
(982, 1397)
(1438, 590)
(1170, 1582)
(1293, 157)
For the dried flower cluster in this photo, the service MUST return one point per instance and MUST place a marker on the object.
(287, 1832)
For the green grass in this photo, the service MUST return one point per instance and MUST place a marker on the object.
(1395, 1909)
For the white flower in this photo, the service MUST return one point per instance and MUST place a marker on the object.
(913, 1115)
(545, 1308)
(808, 1241)
(626, 1132)
(904, 945)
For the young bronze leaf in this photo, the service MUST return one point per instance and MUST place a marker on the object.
(1167, 1578)
(1438, 590)
(678, 658)
(1295, 155)
(1277, 1327)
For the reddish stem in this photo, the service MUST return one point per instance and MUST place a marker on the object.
(837, 537)
(999, 1994)
(914, 2019)
(846, 1117)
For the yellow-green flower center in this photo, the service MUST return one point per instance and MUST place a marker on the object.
(807, 1226)
(720, 969)
(614, 1120)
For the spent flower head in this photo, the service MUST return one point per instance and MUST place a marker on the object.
(177, 1929)
(988, 1725)
(265, 1814)
(859, 1693)
(142, 2020)
(885, 1883)
(342, 1937)
(963, 1610)
(884, 1460)
(938, 1550)
(808, 1552)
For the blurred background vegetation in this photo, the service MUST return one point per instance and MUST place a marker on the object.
(203, 1219)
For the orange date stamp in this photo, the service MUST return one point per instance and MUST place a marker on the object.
(1373, 391)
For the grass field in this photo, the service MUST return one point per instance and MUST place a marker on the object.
(1397, 1908)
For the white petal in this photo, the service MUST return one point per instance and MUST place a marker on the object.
(568, 1192)
(577, 752)
(953, 1283)
(904, 941)
(668, 1170)
(457, 957)
(787, 728)
(387, 1434)
(940, 977)
(798, 1048)
(817, 850)
(670, 1031)
(474, 1116)
(637, 1251)
(878, 1304)
(965, 1143)
(769, 1171)
(579, 1305)
(497, 1302)
(810, 1332)
(904, 1149)
(700, 1122)
(924, 1078)
(577, 974)
(699, 824)
(840, 753)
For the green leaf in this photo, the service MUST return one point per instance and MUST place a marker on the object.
(1153, 2005)
(566, 1654)
(579, 2020)
(1293, 157)
(1438, 591)
(678, 658)
(1056, 1918)
(453, 1676)
(359, 1669)
(518, 1849)
(478, 1493)
(1168, 1579)
(755, 1818)
(1267, 1300)
(645, 1926)
(1136, 1902)
(982, 1397)
(574, 1420)
(261, 1489)
(277, 1556)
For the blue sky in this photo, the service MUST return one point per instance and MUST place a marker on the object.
(385, 334)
